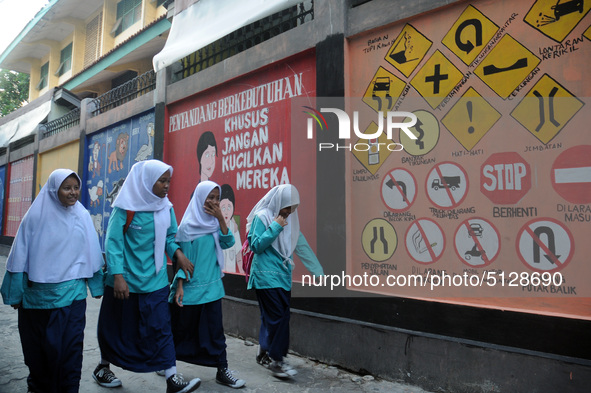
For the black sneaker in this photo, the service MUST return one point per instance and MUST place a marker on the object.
(263, 359)
(105, 377)
(225, 377)
(176, 384)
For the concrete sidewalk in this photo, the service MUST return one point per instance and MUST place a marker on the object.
(312, 377)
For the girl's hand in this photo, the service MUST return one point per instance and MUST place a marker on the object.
(281, 220)
(178, 296)
(213, 209)
(183, 263)
(120, 288)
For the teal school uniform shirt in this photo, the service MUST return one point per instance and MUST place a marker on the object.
(206, 284)
(269, 270)
(15, 290)
(132, 253)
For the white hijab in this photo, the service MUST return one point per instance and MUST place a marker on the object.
(136, 195)
(196, 222)
(55, 243)
(268, 208)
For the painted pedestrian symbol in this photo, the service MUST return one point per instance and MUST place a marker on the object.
(557, 18)
(506, 66)
(468, 35)
(447, 185)
(477, 242)
(435, 80)
(408, 50)
(383, 91)
(372, 156)
(379, 240)
(426, 129)
(545, 245)
(425, 241)
(546, 109)
(399, 190)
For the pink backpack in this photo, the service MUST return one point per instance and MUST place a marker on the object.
(247, 255)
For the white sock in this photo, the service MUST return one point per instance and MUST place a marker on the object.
(170, 372)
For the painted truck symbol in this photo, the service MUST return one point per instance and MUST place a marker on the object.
(452, 182)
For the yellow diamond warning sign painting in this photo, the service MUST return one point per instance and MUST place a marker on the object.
(372, 153)
(436, 79)
(470, 118)
(408, 50)
(506, 66)
(383, 91)
(556, 19)
(469, 34)
(546, 109)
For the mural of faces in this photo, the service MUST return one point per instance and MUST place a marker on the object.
(206, 155)
(227, 201)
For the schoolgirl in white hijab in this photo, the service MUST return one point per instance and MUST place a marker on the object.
(136, 195)
(196, 222)
(55, 243)
(279, 197)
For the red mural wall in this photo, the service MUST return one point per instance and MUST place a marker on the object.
(238, 134)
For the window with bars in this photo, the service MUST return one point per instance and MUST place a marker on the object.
(128, 12)
(43, 76)
(93, 39)
(246, 37)
(65, 60)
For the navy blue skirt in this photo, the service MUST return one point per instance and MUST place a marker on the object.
(198, 333)
(274, 304)
(52, 342)
(135, 334)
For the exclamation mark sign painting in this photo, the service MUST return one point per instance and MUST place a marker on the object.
(469, 107)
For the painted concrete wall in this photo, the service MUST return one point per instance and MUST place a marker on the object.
(65, 156)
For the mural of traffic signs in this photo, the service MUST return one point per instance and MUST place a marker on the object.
(477, 242)
(383, 90)
(426, 130)
(556, 19)
(447, 185)
(435, 80)
(399, 190)
(546, 109)
(425, 241)
(506, 66)
(408, 50)
(372, 153)
(571, 174)
(545, 245)
(505, 178)
(379, 240)
(470, 118)
(469, 34)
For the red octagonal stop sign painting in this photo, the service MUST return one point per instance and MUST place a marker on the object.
(505, 178)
